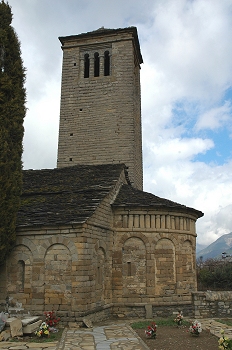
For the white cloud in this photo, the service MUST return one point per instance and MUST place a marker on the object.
(41, 129)
(187, 50)
(216, 117)
(179, 149)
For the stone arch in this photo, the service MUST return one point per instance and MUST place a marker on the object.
(19, 269)
(57, 276)
(59, 239)
(100, 244)
(139, 235)
(165, 266)
(30, 244)
(170, 236)
(134, 266)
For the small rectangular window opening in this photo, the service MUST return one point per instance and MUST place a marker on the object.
(86, 66)
(129, 273)
(96, 64)
(70, 159)
(99, 275)
(106, 63)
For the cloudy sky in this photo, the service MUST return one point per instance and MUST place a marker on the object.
(186, 82)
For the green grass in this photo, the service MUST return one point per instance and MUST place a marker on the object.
(34, 339)
(158, 321)
(225, 321)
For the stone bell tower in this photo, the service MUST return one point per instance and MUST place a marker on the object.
(100, 116)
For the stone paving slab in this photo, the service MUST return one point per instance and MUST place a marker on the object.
(113, 337)
(215, 327)
(28, 345)
(118, 336)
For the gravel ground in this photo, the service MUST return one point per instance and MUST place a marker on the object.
(173, 338)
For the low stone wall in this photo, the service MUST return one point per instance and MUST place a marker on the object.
(208, 304)
(150, 311)
(212, 304)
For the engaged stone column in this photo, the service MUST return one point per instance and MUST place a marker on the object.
(162, 221)
(168, 221)
(131, 220)
(91, 67)
(153, 221)
(101, 62)
(157, 221)
(81, 68)
(148, 309)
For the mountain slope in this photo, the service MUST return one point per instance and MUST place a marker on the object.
(215, 249)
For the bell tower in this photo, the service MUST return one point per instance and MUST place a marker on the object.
(100, 114)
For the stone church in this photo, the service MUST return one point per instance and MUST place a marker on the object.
(90, 241)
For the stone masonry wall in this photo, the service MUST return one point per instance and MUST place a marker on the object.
(3, 293)
(66, 269)
(212, 304)
(150, 311)
(153, 258)
(118, 262)
(100, 117)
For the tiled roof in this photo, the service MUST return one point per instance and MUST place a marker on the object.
(66, 195)
(131, 197)
(71, 195)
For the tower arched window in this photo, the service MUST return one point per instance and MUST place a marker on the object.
(106, 63)
(96, 64)
(86, 66)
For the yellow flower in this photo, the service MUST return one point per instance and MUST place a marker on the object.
(46, 332)
(222, 331)
(220, 341)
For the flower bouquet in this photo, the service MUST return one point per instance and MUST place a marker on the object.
(51, 319)
(195, 328)
(43, 330)
(224, 342)
(151, 331)
(179, 318)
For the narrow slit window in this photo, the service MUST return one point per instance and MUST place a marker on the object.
(99, 275)
(21, 275)
(129, 273)
(106, 63)
(86, 66)
(96, 64)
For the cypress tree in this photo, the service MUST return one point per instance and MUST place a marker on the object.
(12, 113)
